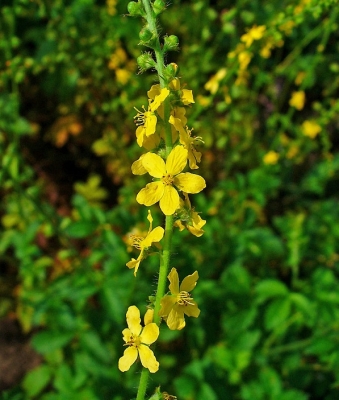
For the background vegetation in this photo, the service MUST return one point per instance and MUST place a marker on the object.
(267, 108)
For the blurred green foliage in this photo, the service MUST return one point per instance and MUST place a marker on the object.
(267, 109)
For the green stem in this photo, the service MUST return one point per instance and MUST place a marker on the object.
(166, 253)
(142, 384)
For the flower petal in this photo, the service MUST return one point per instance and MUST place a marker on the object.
(170, 200)
(167, 303)
(176, 320)
(189, 183)
(153, 237)
(187, 97)
(151, 194)
(174, 281)
(148, 359)
(129, 357)
(135, 264)
(150, 333)
(133, 320)
(191, 310)
(138, 168)
(189, 283)
(150, 123)
(148, 318)
(154, 165)
(177, 160)
(159, 99)
(126, 334)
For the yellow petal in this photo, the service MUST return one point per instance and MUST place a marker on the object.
(140, 134)
(126, 334)
(138, 168)
(150, 333)
(150, 123)
(176, 320)
(154, 165)
(129, 357)
(135, 264)
(174, 281)
(167, 303)
(189, 283)
(154, 91)
(187, 97)
(148, 359)
(191, 310)
(148, 318)
(169, 202)
(158, 100)
(150, 194)
(177, 160)
(189, 183)
(195, 231)
(133, 320)
(153, 237)
(151, 141)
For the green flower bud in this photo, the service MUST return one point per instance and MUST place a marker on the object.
(145, 34)
(145, 62)
(135, 9)
(171, 43)
(159, 6)
(171, 71)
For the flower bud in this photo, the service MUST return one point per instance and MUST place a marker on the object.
(159, 6)
(145, 61)
(135, 9)
(171, 43)
(171, 71)
(145, 34)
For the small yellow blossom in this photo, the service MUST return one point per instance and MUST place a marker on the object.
(186, 96)
(310, 129)
(179, 302)
(143, 243)
(244, 59)
(169, 174)
(300, 78)
(297, 100)
(138, 340)
(271, 158)
(255, 33)
(189, 219)
(213, 84)
(147, 120)
(188, 142)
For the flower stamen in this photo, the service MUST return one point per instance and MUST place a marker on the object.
(184, 298)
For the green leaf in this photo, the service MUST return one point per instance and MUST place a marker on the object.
(48, 341)
(277, 312)
(269, 288)
(36, 380)
(80, 229)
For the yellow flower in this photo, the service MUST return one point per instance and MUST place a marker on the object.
(147, 120)
(143, 243)
(189, 219)
(297, 100)
(168, 174)
(255, 33)
(213, 84)
(186, 96)
(244, 59)
(310, 129)
(188, 142)
(271, 157)
(179, 302)
(138, 340)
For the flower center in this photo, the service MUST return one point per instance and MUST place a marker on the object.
(184, 299)
(167, 180)
(141, 118)
(136, 240)
(133, 340)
